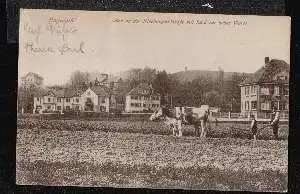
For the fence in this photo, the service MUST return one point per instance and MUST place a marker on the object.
(229, 115)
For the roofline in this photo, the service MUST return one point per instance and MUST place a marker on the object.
(35, 74)
(260, 83)
(143, 94)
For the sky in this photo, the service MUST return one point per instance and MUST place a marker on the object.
(112, 47)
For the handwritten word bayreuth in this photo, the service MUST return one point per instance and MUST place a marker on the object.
(34, 30)
(61, 29)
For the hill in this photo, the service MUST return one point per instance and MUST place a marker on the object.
(194, 74)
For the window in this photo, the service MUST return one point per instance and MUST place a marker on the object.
(285, 91)
(282, 77)
(265, 106)
(144, 105)
(67, 99)
(67, 108)
(247, 90)
(283, 106)
(134, 97)
(103, 100)
(155, 97)
(264, 91)
(276, 90)
(58, 108)
(77, 108)
(77, 100)
(49, 99)
(58, 99)
(48, 107)
(254, 90)
(253, 105)
(247, 105)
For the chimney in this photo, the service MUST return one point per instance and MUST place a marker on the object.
(267, 60)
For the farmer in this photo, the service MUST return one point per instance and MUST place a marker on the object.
(275, 122)
(216, 120)
(179, 118)
(183, 115)
(254, 127)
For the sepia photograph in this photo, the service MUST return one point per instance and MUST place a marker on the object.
(153, 100)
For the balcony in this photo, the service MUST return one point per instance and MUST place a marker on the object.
(265, 92)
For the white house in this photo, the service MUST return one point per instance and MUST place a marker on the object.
(142, 98)
(98, 99)
(95, 98)
(268, 87)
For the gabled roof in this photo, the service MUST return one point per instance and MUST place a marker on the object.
(40, 92)
(34, 74)
(60, 93)
(143, 89)
(267, 72)
(72, 92)
(101, 90)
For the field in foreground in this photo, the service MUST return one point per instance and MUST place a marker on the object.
(98, 158)
(239, 130)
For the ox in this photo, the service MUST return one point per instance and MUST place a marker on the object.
(175, 117)
(170, 117)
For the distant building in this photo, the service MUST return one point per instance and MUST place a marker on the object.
(95, 98)
(103, 80)
(268, 87)
(142, 98)
(98, 99)
(32, 79)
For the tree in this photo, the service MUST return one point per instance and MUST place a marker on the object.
(232, 92)
(146, 75)
(79, 80)
(25, 98)
(162, 85)
(213, 98)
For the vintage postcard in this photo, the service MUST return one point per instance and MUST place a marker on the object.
(153, 100)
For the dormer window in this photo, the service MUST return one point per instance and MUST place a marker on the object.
(281, 77)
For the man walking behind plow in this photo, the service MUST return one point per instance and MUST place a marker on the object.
(275, 122)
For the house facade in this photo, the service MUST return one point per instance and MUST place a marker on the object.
(266, 88)
(32, 79)
(142, 98)
(94, 99)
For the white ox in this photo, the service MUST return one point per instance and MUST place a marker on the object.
(174, 117)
